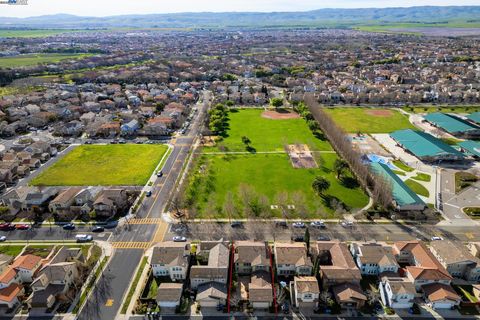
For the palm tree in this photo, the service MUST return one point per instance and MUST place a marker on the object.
(320, 185)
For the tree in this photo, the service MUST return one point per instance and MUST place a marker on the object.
(246, 141)
(320, 185)
(276, 102)
(325, 298)
(373, 296)
(307, 239)
(339, 166)
(281, 200)
(229, 206)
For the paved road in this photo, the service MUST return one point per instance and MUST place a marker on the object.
(106, 298)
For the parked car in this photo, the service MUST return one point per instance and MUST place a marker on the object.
(323, 238)
(148, 193)
(299, 225)
(3, 238)
(160, 174)
(281, 224)
(98, 229)
(22, 226)
(122, 141)
(69, 226)
(83, 238)
(318, 224)
(298, 238)
(88, 142)
(436, 238)
(236, 224)
(346, 224)
(179, 239)
(111, 224)
(7, 226)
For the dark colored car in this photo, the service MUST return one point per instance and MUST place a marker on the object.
(160, 174)
(298, 238)
(69, 226)
(111, 225)
(236, 224)
(281, 224)
(148, 193)
(98, 229)
(323, 238)
(7, 227)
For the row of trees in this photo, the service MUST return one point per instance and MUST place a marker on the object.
(218, 119)
(379, 188)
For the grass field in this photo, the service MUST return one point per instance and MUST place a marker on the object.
(11, 250)
(417, 188)
(266, 134)
(33, 59)
(265, 179)
(369, 120)
(129, 164)
(32, 33)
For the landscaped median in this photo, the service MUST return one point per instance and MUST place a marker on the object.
(133, 286)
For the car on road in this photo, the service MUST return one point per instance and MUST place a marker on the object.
(7, 226)
(69, 226)
(88, 142)
(113, 142)
(160, 174)
(436, 238)
(179, 239)
(299, 225)
(111, 224)
(323, 238)
(22, 226)
(346, 224)
(83, 238)
(98, 229)
(3, 238)
(281, 224)
(236, 224)
(148, 193)
(318, 224)
(122, 141)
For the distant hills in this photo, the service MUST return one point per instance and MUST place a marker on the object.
(316, 18)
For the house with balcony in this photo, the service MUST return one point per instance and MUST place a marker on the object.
(397, 293)
(306, 292)
(171, 259)
(291, 259)
(374, 259)
(215, 269)
(251, 256)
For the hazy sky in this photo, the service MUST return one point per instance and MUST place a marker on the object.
(117, 7)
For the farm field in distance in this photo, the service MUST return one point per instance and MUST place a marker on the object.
(223, 182)
(103, 165)
(369, 120)
(33, 59)
(32, 33)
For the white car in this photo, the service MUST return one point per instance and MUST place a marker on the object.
(3, 238)
(346, 224)
(318, 224)
(435, 238)
(298, 225)
(179, 239)
(83, 238)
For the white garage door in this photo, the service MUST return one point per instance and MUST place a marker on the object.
(208, 303)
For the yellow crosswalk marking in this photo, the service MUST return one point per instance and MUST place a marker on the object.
(109, 303)
(131, 245)
(145, 221)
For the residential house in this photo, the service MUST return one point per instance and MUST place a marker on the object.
(250, 257)
(130, 127)
(64, 200)
(211, 294)
(9, 296)
(306, 292)
(171, 259)
(397, 293)
(54, 279)
(440, 296)
(292, 259)
(336, 263)
(216, 268)
(260, 294)
(109, 202)
(456, 258)
(349, 296)
(26, 266)
(423, 267)
(374, 259)
(169, 296)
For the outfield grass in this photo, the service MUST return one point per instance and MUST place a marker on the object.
(267, 176)
(417, 188)
(363, 120)
(92, 165)
(33, 59)
(266, 134)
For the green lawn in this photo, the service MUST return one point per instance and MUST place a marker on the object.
(92, 165)
(265, 176)
(33, 59)
(400, 165)
(364, 120)
(11, 250)
(31, 33)
(422, 177)
(417, 188)
(464, 180)
(266, 134)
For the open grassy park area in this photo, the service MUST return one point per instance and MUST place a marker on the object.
(33, 59)
(369, 120)
(247, 184)
(92, 165)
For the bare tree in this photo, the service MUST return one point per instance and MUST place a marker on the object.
(229, 206)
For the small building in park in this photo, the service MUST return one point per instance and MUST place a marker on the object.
(404, 198)
(425, 146)
(453, 124)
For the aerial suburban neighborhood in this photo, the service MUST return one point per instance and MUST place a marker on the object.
(279, 161)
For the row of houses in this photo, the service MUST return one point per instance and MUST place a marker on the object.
(65, 204)
(41, 283)
(405, 273)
